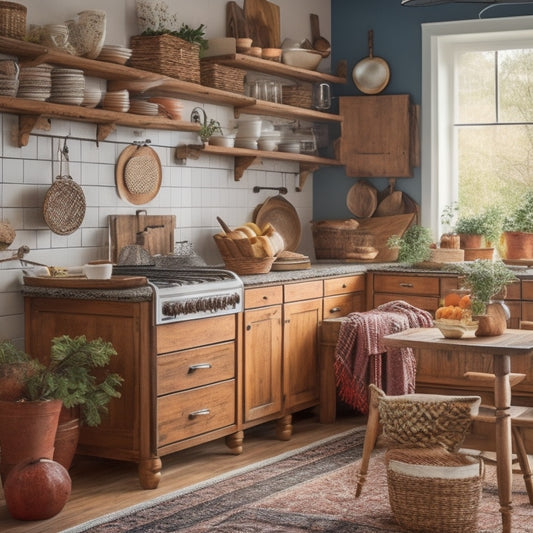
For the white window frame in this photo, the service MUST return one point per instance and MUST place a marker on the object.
(440, 42)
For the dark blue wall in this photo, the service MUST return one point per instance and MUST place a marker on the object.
(397, 39)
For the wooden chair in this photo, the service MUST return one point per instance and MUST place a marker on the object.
(521, 419)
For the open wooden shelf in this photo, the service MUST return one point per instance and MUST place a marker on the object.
(245, 157)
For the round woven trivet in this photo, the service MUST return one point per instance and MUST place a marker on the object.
(138, 174)
(64, 206)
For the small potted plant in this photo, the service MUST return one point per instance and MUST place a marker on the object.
(414, 246)
(517, 237)
(449, 239)
(487, 281)
(67, 380)
(209, 128)
(479, 232)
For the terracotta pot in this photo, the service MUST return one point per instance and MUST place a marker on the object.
(27, 431)
(450, 240)
(494, 322)
(517, 245)
(66, 442)
(470, 241)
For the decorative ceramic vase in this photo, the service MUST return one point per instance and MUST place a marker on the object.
(494, 321)
(27, 431)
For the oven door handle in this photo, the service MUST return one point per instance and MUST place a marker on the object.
(198, 366)
(200, 412)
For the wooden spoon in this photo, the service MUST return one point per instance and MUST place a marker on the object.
(320, 44)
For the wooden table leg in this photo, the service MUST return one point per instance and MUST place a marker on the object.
(504, 472)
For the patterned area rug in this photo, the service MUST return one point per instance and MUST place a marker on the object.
(310, 489)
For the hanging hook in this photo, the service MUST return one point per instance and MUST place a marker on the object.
(196, 115)
(64, 151)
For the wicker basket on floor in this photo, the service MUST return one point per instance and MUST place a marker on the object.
(434, 490)
(13, 20)
(166, 54)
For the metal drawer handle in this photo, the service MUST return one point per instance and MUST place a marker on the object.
(409, 285)
(334, 309)
(200, 412)
(192, 368)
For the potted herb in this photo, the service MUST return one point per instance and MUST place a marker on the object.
(487, 281)
(414, 246)
(517, 237)
(67, 380)
(449, 239)
(208, 128)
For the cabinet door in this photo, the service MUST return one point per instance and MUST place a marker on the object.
(262, 362)
(300, 354)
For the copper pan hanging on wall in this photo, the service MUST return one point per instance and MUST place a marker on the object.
(372, 74)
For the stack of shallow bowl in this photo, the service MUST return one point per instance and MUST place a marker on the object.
(35, 83)
(117, 101)
(68, 86)
(248, 132)
(114, 53)
(9, 75)
(169, 107)
(142, 107)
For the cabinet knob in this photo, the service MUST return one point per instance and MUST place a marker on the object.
(408, 285)
(265, 298)
(344, 285)
(248, 327)
(334, 309)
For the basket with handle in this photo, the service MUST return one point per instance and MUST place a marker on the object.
(13, 20)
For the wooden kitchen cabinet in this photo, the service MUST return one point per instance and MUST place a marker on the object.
(343, 295)
(262, 355)
(179, 390)
(379, 136)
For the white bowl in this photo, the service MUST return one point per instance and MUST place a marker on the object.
(222, 140)
(249, 128)
(301, 57)
(293, 147)
(267, 144)
(251, 145)
(98, 270)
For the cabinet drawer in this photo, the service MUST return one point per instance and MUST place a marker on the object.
(294, 292)
(343, 285)
(527, 290)
(513, 290)
(337, 306)
(407, 284)
(193, 368)
(191, 333)
(427, 303)
(186, 414)
(263, 296)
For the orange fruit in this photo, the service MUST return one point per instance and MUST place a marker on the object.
(464, 302)
(452, 298)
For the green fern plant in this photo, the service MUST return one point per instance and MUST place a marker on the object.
(69, 376)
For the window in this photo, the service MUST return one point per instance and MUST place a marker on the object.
(477, 120)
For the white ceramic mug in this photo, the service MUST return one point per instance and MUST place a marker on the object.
(98, 270)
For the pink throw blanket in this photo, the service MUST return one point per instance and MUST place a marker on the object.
(358, 354)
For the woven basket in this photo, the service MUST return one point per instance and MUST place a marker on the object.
(13, 20)
(433, 490)
(298, 95)
(332, 241)
(249, 265)
(64, 206)
(222, 77)
(167, 55)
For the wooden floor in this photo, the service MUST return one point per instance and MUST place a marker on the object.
(100, 486)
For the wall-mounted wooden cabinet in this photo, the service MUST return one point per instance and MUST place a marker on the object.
(380, 136)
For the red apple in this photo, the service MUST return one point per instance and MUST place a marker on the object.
(37, 489)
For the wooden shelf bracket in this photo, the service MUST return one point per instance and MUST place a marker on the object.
(305, 170)
(27, 123)
(103, 130)
(242, 162)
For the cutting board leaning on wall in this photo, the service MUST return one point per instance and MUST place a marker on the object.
(263, 21)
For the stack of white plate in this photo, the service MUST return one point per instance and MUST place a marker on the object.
(142, 107)
(117, 101)
(248, 132)
(115, 53)
(169, 107)
(35, 83)
(68, 86)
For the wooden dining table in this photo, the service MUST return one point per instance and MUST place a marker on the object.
(503, 348)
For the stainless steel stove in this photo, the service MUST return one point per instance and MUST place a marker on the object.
(185, 294)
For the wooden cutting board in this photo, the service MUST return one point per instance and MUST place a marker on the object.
(236, 23)
(264, 23)
(157, 233)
